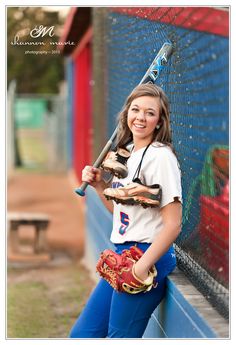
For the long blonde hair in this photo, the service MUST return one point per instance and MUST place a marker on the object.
(162, 134)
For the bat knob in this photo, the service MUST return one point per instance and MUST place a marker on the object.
(80, 192)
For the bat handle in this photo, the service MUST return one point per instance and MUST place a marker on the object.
(81, 190)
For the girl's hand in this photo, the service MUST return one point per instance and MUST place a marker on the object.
(140, 271)
(92, 176)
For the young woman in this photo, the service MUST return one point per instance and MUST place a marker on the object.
(144, 127)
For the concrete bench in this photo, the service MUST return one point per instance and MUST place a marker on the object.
(38, 221)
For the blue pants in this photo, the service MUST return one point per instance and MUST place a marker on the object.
(111, 314)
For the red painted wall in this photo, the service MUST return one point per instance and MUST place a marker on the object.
(82, 110)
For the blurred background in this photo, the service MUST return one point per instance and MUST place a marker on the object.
(69, 71)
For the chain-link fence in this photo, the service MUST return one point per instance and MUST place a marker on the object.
(196, 81)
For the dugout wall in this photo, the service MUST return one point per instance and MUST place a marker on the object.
(78, 31)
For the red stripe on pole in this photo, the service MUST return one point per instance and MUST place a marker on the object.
(82, 111)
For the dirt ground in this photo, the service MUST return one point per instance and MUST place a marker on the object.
(53, 195)
(45, 299)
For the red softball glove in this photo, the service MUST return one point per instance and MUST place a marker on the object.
(118, 271)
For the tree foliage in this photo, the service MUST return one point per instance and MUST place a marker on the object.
(37, 72)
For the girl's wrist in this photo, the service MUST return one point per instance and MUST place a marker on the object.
(140, 272)
(100, 186)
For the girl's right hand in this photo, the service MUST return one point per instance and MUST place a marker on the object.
(92, 176)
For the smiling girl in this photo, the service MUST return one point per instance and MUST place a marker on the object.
(142, 216)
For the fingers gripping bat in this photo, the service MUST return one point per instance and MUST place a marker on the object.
(151, 75)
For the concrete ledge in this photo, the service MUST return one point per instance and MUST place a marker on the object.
(198, 302)
(185, 313)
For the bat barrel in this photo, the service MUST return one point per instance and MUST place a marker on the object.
(158, 64)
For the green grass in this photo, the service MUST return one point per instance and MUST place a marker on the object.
(33, 148)
(47, 304)
(33, 151)
(29, 311)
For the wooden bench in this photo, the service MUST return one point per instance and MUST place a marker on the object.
(39, 222)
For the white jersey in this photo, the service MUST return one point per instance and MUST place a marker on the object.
(159, 166)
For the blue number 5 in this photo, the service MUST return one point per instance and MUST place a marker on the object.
(124, 218)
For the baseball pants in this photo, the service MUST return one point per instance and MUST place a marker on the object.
(110, 314)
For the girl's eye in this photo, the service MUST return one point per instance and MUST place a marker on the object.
(150, 113)
(134, 109)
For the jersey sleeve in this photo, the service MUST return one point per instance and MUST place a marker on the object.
(168, 175)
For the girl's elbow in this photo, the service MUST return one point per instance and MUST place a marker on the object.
(175, 227)
(179, 229)
(179, 225)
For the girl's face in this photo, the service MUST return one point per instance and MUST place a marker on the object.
(143, 116)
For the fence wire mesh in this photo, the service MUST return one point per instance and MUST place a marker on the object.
(197, 83)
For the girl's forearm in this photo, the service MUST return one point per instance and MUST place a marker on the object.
(159, 247)
(172, 218)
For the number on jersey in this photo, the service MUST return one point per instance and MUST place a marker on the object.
(124, 218)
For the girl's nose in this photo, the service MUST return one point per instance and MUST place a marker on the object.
(141, 116)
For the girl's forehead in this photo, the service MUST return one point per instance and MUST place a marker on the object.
(146, 101)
